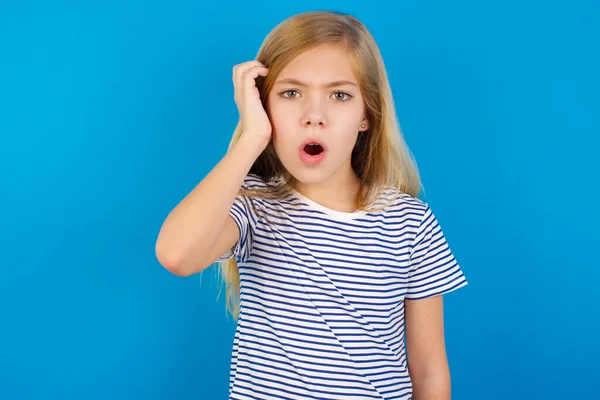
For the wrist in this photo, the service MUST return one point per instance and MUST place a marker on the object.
(254, 143)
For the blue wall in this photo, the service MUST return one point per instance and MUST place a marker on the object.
(111, 113)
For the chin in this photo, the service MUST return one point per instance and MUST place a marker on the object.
(305, 173)
(308, 175)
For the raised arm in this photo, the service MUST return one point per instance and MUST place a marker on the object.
(199, 228)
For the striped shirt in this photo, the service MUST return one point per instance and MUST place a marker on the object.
(322, 295)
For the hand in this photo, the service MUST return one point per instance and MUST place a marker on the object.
(253, 116)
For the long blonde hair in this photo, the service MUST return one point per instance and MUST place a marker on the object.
(380, 158)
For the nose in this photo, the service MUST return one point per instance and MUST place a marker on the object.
(314, 114)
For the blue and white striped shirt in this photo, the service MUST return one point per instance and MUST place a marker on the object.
(322, 295)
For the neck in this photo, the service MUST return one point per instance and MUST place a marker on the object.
(339, 192)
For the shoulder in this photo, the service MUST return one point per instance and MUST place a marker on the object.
(398, 201)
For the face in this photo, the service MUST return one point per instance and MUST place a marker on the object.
(316, 98)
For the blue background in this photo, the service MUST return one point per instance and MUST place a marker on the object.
(111, 112)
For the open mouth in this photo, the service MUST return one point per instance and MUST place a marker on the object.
(313, 152)
(313, 149)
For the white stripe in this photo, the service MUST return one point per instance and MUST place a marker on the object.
(322, 296)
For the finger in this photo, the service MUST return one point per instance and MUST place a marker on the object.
(238, 78)
(250, 75)
(239, 69)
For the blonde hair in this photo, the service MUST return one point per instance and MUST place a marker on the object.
(380, 158)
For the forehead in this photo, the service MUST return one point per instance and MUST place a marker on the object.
(319, 64)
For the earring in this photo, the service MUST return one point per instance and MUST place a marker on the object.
(363, 126)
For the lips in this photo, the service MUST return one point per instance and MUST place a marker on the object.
(312, 145)
(312, 151)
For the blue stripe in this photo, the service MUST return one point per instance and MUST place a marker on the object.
(332, 284)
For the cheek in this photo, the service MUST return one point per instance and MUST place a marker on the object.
(282, 140)
(276, 112)
(280, 124)
(273, 113)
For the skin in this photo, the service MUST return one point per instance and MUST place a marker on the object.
(299, 111)
(301, 106)
(426, 349)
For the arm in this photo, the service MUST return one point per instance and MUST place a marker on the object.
(427, 362)
(193, 233)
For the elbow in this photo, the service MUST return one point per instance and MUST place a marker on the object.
(169, 260)
(432, 384)
(175, 263)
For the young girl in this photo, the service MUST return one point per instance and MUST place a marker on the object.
(314, 216)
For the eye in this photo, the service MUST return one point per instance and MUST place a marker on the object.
(282, 94)
(292, 93)
(343, 94)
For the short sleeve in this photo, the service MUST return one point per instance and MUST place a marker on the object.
(433, 268)
(241, 212)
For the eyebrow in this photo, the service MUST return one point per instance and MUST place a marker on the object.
(326, 85)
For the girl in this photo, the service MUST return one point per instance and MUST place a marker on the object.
(314, 216)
